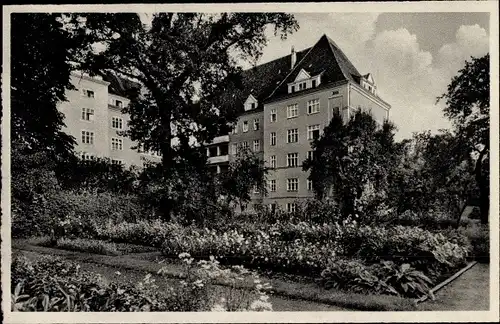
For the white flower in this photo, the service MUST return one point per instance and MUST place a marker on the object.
(118, 273)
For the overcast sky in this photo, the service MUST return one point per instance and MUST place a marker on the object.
(412, 56)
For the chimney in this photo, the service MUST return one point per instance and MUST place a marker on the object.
(294, 57)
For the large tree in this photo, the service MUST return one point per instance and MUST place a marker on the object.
(353, 160)
(41, 51)
(468, 107)
(187, 64)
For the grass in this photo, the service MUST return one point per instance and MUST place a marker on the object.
(92, 246)
(287, 292)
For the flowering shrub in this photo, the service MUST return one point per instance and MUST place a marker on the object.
(85, 245)
(53, 284)
(401, 244)
(383, 278)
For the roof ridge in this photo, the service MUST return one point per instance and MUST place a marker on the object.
(331, 43)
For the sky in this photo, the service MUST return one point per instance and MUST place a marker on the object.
(412, 56)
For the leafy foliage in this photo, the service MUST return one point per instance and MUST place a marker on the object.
(353, 160)
(40, 75)
(468, 106)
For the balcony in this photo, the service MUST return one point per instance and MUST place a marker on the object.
(220, 139)
(218, 159)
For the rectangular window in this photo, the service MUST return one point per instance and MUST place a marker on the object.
(292, 111)
(255, 124)
(245, 126)
(272, 136)
(272, 161)
(88, 114)
(292, 135)
(87, 137)
(256, 145)
(234, 148)
(116, 162)
(313, 106)
(309, 185)
(312, 132)
(117, 123)
(293, 89)
(290, 207)
(272, 185)
(119, 104)
(235, 129)
(292, 159)
(244, 146)
(272, 207)
(116, 144)
(88, 93)
(87, 156)
(292, 184)
(314, 83)
(273, 116)
(336, 111)
(310, 155)
(253, 105)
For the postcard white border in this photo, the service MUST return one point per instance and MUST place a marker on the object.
(297, 317)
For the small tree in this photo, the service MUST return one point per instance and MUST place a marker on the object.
(246, 172)
(353, 161)
(468, 106)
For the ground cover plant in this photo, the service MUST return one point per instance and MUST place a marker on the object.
(53, 284)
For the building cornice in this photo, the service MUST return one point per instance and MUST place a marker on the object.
(88, 78)
(370, 96)
(320, 88)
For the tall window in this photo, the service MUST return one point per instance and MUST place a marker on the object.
(88, 93)
(87, 137)
(272, 185)
(309, 185)
(256, 145)
(291, 207)
(272, 136)
(116, 162)
(255, 124)
(313, 106)
(245, 126)
(117, 123)
(273, 115)
(235, 129)
(314, 83)
(234, 148)
(292, 184)
(116, 144)
(310, 155)
(336, 111)
(292, 111)
(272, 161)
(292, 135)
(292, 159)
(87, 113)
(244, 146)
(312, 132)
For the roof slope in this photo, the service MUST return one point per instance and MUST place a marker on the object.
(324, 57)
(261, 80)
(118, 85)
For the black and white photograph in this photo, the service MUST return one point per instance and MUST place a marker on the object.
(250, 162)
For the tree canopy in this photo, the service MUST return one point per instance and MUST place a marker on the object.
(468, 107)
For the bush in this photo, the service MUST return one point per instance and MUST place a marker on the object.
(476, 236)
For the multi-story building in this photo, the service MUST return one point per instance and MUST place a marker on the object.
(291, 100)
(93, 116)
(285, 104)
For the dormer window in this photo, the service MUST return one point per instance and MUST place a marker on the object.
(304, 81)
(251, 103)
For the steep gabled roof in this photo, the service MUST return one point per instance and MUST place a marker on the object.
(324, 57)
(259, 81)
(119, 86)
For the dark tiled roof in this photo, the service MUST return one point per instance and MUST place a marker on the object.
(118, 85)
(261, 80)
(324, 57)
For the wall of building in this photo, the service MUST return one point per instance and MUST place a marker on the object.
(336, 96)
(72, 110)
(104, 105)
(359, 98)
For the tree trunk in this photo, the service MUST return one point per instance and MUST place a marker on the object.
(484, 195)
